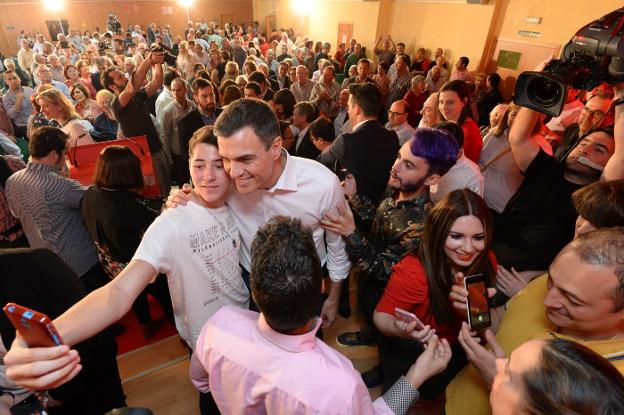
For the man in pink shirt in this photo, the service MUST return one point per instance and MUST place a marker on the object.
(272, 362)
(461, 70)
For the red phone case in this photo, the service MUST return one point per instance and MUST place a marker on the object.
(35, 328)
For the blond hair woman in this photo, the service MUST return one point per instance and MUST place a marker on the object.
(55, 106)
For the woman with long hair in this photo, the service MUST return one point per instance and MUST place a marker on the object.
(84, 105)
(117, 217)
(454, 105)
(38, 118)
(556, 377)
(55, 106)
(455, 243)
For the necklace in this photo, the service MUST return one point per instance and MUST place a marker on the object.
(223, 229)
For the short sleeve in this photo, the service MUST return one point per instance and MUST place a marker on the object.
(156, 248)
(407, 287)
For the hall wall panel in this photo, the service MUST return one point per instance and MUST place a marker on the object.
(89, 14)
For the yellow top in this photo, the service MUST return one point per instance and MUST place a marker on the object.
(524, 320)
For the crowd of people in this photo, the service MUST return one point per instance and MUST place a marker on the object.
(309, 164)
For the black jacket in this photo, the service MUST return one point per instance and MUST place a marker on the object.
(188, 124)
(306, 148)
(368, 153)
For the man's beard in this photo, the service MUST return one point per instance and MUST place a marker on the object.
(208, 109)
(407, 186)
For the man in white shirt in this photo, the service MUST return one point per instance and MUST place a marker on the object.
(25, 56)
(39, 44)
(397, 116)
(165, 96)
(270, 182)
(302, 89)
(169, 118)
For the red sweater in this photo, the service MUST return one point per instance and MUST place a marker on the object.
(472, 140)
(408, 289)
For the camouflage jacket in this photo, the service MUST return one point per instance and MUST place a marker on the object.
(396, 230)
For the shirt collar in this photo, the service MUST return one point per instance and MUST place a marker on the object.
(360, 124)
(291, 343)
(419, 200)
(303, 132)
(43, 167)
(288, 179)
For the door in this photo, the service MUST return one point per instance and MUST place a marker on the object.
(512, 57)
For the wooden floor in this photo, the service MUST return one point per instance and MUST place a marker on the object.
(156, 377)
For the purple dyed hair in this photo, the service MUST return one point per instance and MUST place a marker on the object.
(436, 146)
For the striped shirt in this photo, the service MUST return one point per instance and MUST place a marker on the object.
(48, 205)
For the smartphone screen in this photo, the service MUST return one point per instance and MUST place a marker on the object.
(478, 306)
(35, 328)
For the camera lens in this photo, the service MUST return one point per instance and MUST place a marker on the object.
(544, 92)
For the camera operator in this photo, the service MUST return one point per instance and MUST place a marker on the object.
(539, 219)
(131, 112)
(113, 24)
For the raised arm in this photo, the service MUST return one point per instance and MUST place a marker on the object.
(523, 147)
(614, 169)
(134, 86)
(157, 75)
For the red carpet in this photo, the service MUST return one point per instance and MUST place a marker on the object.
(133, 339)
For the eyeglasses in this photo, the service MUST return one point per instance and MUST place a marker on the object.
(394, 114)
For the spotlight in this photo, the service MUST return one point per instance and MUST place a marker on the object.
(186, 3)
(53, 5)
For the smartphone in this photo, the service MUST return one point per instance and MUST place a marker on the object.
(36, 328)
(408, 317)
(478, 306)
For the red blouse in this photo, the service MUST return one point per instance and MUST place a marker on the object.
(408, 289)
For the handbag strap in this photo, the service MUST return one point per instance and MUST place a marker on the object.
(495, 159)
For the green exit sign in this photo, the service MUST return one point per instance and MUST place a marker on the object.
(508, 59)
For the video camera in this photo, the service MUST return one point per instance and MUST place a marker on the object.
(595, 54)
(170, 59)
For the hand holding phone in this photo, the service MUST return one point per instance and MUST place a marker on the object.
(408, 317)
(477, 304)
(35, 328)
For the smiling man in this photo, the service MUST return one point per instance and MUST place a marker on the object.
(539, 218)
(395, 226)
(579, 299)
(270, 182)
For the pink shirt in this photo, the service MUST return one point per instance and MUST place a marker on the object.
(252, 369)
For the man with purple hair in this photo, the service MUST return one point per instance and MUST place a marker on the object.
(396, 225)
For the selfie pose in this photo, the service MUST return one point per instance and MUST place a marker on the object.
(455, 243)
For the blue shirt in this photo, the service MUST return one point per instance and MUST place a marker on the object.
(20, 118)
